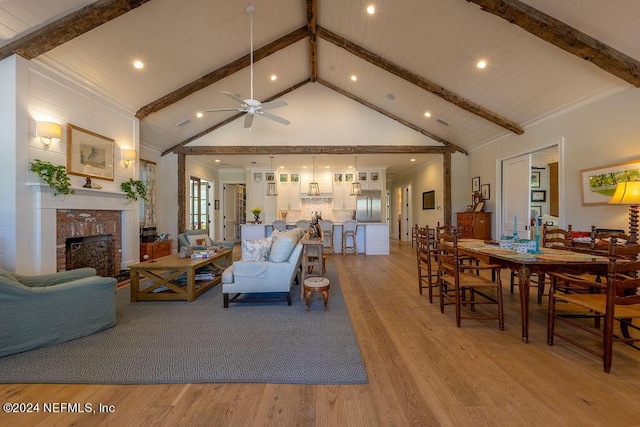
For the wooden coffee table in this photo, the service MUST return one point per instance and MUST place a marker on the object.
(163, 270)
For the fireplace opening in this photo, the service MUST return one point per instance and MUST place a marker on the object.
(96, 251)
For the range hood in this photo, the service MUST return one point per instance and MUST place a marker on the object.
(305, 195)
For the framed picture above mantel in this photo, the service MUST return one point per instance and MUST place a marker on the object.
(89, 154)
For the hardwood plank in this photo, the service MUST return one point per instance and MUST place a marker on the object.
(422, 370)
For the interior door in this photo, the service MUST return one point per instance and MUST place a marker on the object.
(229, 207)
(516, 205)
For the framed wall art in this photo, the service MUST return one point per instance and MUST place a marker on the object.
(599, 184)
(536, 211)
(535, 179)
(429, 200)
(89, 154)
(538, 195)
(475, 184)
(485, 190)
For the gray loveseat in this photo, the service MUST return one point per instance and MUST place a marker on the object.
(36, 311)
(272, 277)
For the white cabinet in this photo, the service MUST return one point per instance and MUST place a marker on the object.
(288, 191)
(370, 179)
(342, 198)
(257, 197)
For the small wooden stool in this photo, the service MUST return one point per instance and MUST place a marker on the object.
(316, 284)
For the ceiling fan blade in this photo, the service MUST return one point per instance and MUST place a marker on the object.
(248, 120)
(235, 98)
(275, 118)
(223, 109)
(273, 104)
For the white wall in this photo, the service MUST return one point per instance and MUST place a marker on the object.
(604, 132)
(41, 94)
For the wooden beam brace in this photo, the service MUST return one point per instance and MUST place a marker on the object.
(419, 81)
(392, 116)
(230, 119)
(312, 149)
(446, 181)
(221, 73)
(312, 25)
(68, 27)
(565, 37)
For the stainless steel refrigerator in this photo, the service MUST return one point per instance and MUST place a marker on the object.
(369, 206)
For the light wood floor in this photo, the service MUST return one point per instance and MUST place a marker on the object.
(422, 371)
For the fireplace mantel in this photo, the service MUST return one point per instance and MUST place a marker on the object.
(46, 207)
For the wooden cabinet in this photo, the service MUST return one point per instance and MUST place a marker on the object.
(155, 250)
(289, 191)
(474, 225)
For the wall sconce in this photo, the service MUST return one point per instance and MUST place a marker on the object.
(128, 156)
(48, 132)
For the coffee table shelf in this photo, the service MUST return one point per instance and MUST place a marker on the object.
(162, 271)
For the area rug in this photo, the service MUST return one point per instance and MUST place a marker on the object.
(200, 341)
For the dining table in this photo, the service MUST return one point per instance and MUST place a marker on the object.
(544, 261)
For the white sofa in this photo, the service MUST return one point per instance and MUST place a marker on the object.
(273, 276)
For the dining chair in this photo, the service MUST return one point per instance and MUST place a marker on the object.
(618, 302)
(427, 273)
(552, 237)
(279, 225)
(414, 234)
(456, 283)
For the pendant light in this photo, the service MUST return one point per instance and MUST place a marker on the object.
(314, 188)
(356, 189)
(272, 189)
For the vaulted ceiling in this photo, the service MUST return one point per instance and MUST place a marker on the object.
(409, 57)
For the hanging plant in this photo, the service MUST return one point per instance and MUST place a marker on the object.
(55, 176)
(134, 189)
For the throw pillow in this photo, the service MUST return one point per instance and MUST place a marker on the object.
(256, 250)
(281, 249)
(199, 240)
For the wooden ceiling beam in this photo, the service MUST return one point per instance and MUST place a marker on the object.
(221, 73)
(565, 37)
(313, 149)
(312, 25)
(418, 81)
(392, 116)
(229, 120)
(68, 27)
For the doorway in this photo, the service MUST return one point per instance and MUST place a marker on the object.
(234, 208)
(532, 186)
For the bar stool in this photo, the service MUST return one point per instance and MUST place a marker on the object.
(349, 229)
(279, 225)
(326, 225)
(301, 223)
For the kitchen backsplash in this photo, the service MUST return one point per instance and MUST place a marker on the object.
(321, 204)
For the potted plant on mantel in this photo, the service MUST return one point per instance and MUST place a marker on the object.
(55, 176)
(134, 188)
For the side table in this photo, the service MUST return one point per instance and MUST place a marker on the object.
(316, 284)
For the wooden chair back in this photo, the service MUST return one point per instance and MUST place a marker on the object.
(622, 277)
(553, 237)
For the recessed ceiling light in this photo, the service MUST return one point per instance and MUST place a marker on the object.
(217, 160)
(413, 160)
(481, 64)
(371, 10)
(199, 114)
(138, 64)
(354, 77)
(327, 167)
(274, 78)
(427, 114)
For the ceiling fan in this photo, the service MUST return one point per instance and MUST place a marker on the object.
(252, 106)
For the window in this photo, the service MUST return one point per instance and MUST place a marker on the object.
(199, 203)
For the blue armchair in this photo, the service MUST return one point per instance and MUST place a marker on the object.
(37, 311)
(191, 238)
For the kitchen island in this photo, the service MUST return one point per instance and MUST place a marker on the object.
(372, 238)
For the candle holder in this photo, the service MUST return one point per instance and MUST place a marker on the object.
(537, 244)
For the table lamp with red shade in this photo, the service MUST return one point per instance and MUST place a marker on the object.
(628, 193)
